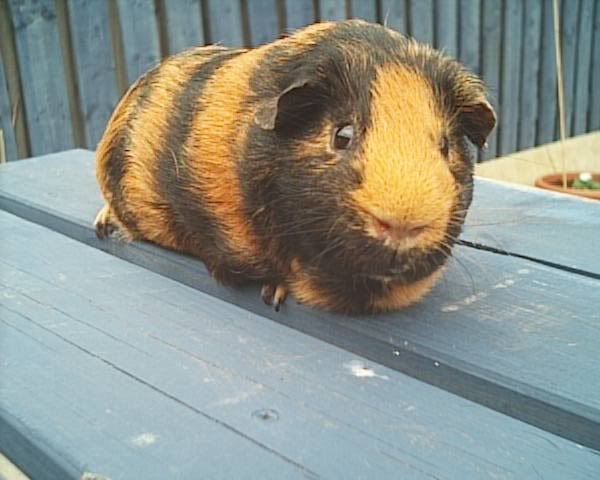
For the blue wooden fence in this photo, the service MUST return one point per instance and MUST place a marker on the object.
(64, 63)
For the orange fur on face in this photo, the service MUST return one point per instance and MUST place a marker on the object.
(405, 176)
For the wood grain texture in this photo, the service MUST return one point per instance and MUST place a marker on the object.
(548, 107)
(446, 26)
(421, 20)
(183, 25)
(225, 22)
(532, 34)
(140, 36)
(365, 9)
(299, 13)
(42, 76)
(164, 377)
(490, 314)
(8, 133)
(332, 9)
(536, 224)
(511, 74)
(263, 22)
(583, 67)
(569, 19)
(94, 65)
(491, 63)
(594, 119)
(470, 14)
(394, 14)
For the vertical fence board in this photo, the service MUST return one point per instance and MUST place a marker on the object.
(262, 18)
(183, 24)
(532, 35)
(299, 13)
(582, 77)
(548, 106)
(332, 9)
(365, 9)
(570, 13)
(140, 36)
(421, 20)
(8, 134)
(94, 65)
(594, 120)
(225, 19)
(12, 82)
(42, 73)
(511, 73)
(446, 26)
(394, 14)
(492, 44)
(469, 33)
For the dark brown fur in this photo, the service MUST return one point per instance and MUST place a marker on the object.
(227, 155)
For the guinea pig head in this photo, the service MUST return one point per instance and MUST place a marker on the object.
(370, 171)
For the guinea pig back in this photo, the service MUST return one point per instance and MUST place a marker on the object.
(333, 164)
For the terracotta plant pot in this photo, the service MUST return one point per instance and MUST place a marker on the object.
(554, 182)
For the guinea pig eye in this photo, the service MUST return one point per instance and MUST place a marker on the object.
(343, 137)
(444, 146)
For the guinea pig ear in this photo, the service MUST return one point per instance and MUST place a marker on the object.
(478, 120)
(269, 109)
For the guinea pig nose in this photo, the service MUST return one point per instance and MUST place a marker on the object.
(398, 230)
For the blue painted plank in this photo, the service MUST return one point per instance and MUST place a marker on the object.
(194, 373)
(583, 67)
(394, 14)
(517, 305)
(8, 134)
(536, 224)
(511, 74)
(140, 36)
(365, 9)
(94, 65)
(332, 10)
(421, 20)
(594, 120)
(532, 35)
(263, 22)
(548, 105)
(225, 22)
(299, 13)
(569, 18)
(446, 26)
(490, 65)
(42, 74)
(183, 23)
(470, 13)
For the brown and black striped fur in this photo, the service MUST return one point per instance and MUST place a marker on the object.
(227, 155)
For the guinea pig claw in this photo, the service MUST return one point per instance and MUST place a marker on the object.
(273, 295)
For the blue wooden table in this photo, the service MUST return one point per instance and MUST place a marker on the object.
(128, 361)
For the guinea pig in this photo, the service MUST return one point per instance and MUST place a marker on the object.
(333, 164)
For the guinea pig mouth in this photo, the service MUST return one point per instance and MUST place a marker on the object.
(410, 266)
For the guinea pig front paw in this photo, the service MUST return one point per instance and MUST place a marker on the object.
(104, 224)
(273, 295)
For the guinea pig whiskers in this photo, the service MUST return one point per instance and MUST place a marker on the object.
(296, 227)
(334, 245)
